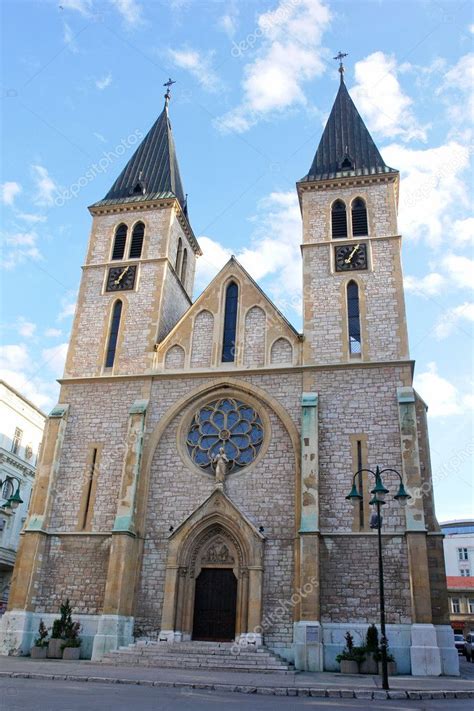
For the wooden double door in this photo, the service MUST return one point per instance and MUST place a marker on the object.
(215, 604)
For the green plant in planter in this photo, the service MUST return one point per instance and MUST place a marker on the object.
(71, 634)
(42, 638)
(350, 653)
(372, 639)
(62, 625)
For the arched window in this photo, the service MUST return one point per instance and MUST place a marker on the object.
(339, 219)
(119, 243)
(179, 254)
(184, 266)
(353, 317)
(113, 335)
(137, 241)
(359, 218)
(230, 322)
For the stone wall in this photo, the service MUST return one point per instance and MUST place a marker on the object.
(254, 340)
(174, 359)
(349, 579)
(74, 567)
(281, 351)
(203, 335)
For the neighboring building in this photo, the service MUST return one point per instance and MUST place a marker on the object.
(459, 560)
(139, 517)
(21, 431)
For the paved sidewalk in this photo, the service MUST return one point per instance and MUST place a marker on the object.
(326, 684)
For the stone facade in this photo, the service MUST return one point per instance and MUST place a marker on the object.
(130, 499)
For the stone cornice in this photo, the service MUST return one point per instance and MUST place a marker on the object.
(349, 240)
(16, 462)
(216, 374)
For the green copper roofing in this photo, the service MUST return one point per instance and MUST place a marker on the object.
(346, 147)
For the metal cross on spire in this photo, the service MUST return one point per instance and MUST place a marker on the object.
(339, 57)
(168, 85)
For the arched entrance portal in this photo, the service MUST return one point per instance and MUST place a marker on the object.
(213, 586)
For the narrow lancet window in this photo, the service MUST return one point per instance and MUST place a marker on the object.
(339, 220)
(184, 267)
(230, 322)
(119, 242)
(113, 335)
(359, 218)
(179, 254)
(137, 241)
(353, 318)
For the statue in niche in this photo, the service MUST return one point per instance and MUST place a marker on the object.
(220, 463)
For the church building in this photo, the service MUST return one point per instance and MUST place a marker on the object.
(193, 476)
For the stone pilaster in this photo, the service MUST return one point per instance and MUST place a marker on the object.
(116, 623)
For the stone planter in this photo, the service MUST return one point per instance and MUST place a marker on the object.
(348, 666)
(369, 665)
(71, 653)
(39, 652)
(391, 668)
(54, 649)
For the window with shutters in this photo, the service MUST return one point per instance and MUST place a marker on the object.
(113, 334)
(16, 443)
(339, 220)
(137, 241)
(359, 218)
(119, 242)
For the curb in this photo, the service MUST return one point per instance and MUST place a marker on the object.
(332, 693)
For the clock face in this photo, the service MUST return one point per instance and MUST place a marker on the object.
(349, 257)
(121, 278)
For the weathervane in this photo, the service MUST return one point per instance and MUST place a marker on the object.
(168, 85)
(339, 57)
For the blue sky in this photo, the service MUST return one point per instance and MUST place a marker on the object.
(82, 79)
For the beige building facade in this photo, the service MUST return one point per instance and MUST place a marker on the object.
(193, 475)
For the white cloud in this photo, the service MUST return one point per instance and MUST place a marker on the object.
(45, 186)
(104, 82)
(19, 246)
(274, 252)
(460, 270)
(67, 309)
(454, 318)
(68, 37)
(9, 191)
(380, 99)
(228, 22)
(463, 231)
(198, 64)
(130, 11)
(19, 369)
(52, 332)
(84, 7)
(441, 396)
(428, 285)
(431, 184)
(13, 356)
(55, 358)
(290, 55)
(457, 90)
(30, 217)
(26, 328)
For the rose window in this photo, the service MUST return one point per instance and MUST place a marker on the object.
(226, 423)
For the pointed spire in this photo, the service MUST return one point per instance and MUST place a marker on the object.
(153, 171)
(346, 147)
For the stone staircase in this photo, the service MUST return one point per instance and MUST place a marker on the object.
(218, 656)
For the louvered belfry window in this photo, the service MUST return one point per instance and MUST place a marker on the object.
(119, 243)
(353, 317)
(184, 266)
(230, 322)
(179, 254)
(359, 218)
(137, 241)
(339, 220)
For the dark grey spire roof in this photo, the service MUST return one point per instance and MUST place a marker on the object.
(152, 172)
(346, 147)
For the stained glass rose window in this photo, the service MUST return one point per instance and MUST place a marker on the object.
(226, 423)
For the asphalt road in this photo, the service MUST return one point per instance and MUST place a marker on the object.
(33, 694)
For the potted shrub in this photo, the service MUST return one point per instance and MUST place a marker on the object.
(61, 628)
(39, 649)
(370, 663)
(391, 664)
(72, 645)
(351, 656)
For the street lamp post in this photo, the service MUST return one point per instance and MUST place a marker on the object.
(15, 499)
(378, 500)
